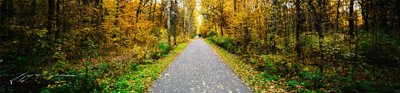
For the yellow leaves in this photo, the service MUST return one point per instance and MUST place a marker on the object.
(138, 51)
(28, 31)
(47, 77)
(305, 69)
(57, 84)
(15, 41)
(59, 55)
(45, 72)
(110, 5)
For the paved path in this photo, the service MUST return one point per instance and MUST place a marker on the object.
(198, 69)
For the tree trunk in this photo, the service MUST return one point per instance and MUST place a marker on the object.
(351, 20)
(160, 17)
(138, 10)
(4, 11)
(297, 29)
(222, 18)
(318, 28)
(234, 7)
(364, 12)
(337, 16)
(58, 19)
(266, 35)
(184, 18)
(273, 25)
(317, 21)
(215, 26)
(154, 10)
(50, 16)
(169, 22)
(246, 38)
(151, 10)
(175, 18)
(33, 6)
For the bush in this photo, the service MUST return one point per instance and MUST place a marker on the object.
(384, 52)
(134, 67)
(164, 47)
(293, 83)
(193, 35)
(269, 77)
(212, 34)
(223, 42)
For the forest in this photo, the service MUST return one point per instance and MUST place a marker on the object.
(312, 46)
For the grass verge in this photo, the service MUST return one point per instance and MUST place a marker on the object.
(246, 72)
(139, 81)
(115, 76)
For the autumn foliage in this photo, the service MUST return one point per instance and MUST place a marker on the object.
(75, 36)
(309, 45)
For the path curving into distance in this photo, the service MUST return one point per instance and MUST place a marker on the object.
(198, 70)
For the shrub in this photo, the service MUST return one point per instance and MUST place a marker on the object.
(193, 35)
(269, 77)
(384, 52)
(223, 42)
(134, 67)
(164, 47)
(292, 83)
(212, 34)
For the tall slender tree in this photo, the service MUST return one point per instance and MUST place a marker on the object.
(365, 13)
(234, 7)
(50, 16)
(273, 24)
(351, 18)
(175, 20)
(298, 27)
(169, 9)
(221, 20)
(337, 16)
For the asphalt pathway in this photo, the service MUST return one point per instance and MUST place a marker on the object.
(198, 70)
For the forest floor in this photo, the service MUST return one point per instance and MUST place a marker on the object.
(199, 69)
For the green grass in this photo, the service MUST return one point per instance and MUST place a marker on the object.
(141, 79)
(115, 76)
(246, 72)
(282, 71)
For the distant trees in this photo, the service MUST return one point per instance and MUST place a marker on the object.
(189, 16)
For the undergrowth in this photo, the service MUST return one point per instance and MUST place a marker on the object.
(245, 71)
(115, 76)
(281, 72)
